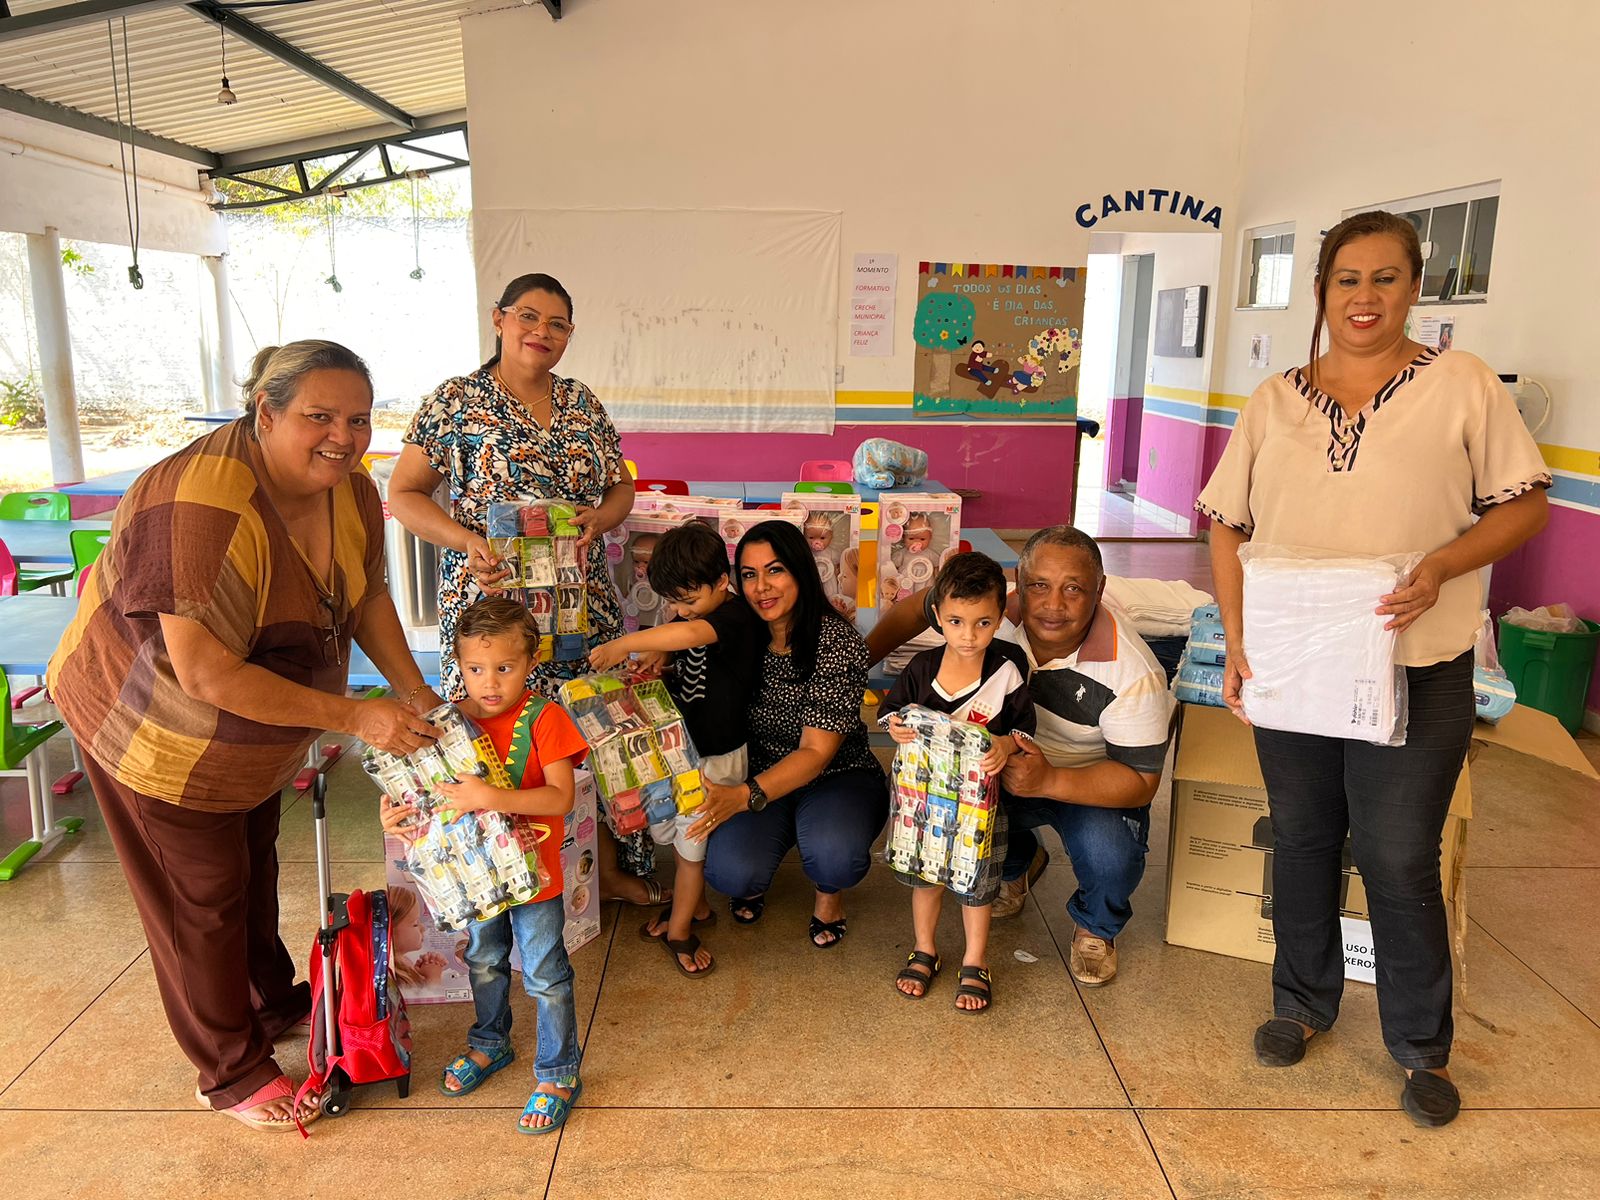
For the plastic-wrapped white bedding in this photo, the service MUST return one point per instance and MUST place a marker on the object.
(1321, 661)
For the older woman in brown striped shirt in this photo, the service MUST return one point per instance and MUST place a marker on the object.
(211, 645)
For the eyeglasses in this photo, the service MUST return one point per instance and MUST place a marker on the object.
(332, 633)
(530, 320)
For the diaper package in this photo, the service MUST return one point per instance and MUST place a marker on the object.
(1199, 683)
(1321, 661)
(1493, 693)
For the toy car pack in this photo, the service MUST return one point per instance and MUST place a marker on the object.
(538, 540)
(467, 866)
(640, 751)
(943, 808)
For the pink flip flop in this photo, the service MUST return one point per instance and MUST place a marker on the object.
(279, 1089)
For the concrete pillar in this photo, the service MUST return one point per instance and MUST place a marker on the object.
(55, 355)
(225, 393)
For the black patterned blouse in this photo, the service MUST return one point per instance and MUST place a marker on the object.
(831, 699)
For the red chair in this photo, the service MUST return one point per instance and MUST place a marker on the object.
(667, 487)
(824, 468)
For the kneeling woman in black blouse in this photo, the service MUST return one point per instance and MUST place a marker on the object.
(814, 782)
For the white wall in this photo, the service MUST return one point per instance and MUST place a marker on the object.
(950, 129)
(1363, 102)
(83, 195)
(1182, 260)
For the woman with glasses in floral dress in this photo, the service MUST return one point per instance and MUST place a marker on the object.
(512, 429)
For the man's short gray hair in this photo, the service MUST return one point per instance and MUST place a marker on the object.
(1067, 537)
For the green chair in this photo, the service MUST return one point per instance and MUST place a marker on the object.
(15, 579)
(21, 753)
(36, 506)
(86, 547)
(826, 487)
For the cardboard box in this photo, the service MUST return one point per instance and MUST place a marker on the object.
(917, 532)
(580, 871)
(628, 548)
(1219, 862)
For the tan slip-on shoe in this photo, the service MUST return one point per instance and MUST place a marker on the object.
(1014, 892)
(1093, 960)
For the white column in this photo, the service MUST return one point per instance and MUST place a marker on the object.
(55, 355)
(226, 390)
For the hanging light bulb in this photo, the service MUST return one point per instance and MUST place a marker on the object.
(225, 95)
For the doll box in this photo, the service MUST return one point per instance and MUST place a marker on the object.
(832, 528)
(917, 533)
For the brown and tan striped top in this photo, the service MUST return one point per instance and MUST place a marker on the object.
(197, 537)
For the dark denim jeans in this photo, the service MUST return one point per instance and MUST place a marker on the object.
(546, 975)
(1391, 801)
(833, 820)
(1107, 847)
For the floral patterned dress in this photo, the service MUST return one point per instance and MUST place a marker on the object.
(490, 448)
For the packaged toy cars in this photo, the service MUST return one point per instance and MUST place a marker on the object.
(468, 866)
(942, 807)
(641, 754)
(537, 539)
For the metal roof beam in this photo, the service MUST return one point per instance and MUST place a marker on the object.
(292, 56)
(70, 16)
(258, 157)
(72, 118)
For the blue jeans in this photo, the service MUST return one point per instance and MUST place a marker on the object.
(1107, 847)
(546, 974)
(1391, 803)
(832, 820)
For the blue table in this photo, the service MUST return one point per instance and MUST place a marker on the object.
(115, 484)
(770, 491)
(45, 541)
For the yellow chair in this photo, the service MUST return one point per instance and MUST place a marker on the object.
(633, 467)
(869, 515)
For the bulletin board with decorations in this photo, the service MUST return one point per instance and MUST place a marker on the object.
(998, 340)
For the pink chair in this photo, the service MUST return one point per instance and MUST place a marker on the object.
(824, 469)
(668, 487)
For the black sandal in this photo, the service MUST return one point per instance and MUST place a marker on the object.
(819, 927)
(918, 959)
(985, 993)
(687, 947)
(754, 905)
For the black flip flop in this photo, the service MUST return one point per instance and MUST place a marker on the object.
(755, 904)
(688, 946)
(819, 926)
(985, 993)
(661, 919)
(918, 958)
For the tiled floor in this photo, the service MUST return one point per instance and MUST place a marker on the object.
(1106, 514)
(798, 1072)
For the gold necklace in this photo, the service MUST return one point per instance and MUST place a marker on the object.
(510, 391)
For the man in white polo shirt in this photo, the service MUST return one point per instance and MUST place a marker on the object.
(1104, 718)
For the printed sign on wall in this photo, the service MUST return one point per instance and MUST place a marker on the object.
(998, 340)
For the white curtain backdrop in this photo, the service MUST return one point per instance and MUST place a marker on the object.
(721, 319)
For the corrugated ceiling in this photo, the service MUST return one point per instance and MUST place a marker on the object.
(406, 51)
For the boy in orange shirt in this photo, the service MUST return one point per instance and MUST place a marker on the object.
(496, 643)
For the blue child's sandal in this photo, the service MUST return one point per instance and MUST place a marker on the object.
(551, 1106)
(469, 1074)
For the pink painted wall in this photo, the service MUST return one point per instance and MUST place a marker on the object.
(1023, 471)
(1216, 440)
(1122, 439)
(1173, 480)
(1556, 567)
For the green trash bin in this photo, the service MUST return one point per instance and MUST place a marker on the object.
(1550, 670)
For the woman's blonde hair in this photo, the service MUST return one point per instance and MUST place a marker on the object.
(276, 372)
